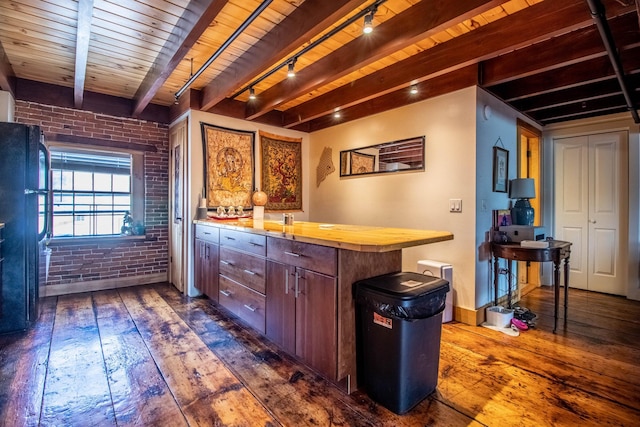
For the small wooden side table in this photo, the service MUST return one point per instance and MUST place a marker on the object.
(556, 252)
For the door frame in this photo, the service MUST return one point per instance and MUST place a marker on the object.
(183, 127)
(530, 165)
(623, 171)
(613, 123)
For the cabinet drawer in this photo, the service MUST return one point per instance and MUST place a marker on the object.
(248, 242)
(243, 302)
(249, 270)
(210, 234)
(322, 259)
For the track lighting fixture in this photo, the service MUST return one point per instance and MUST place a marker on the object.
(252, 93)
(291, 71)
(368, 15)
(336, 114)
(368, 23)
(368, 20)
(414, 89)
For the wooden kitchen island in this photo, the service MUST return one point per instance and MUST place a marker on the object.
(294, 283)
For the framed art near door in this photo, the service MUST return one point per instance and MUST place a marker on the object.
(500, 169)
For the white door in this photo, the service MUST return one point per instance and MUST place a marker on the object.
(177, 143)
(590, 209)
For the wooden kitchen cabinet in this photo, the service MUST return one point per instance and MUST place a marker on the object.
(259, 264)
(206, 261)
(301, 315)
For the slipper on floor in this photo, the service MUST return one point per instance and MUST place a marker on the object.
(522, 326)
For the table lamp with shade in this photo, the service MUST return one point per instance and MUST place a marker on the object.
(522, 189)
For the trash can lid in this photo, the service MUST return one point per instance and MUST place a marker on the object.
(403, 285)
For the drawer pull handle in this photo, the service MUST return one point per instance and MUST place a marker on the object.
(249, 272)
(225, 293)
(248, 307)
(292, 254)
(255, 244)
(225, 262)
(286, 280)
(207, 233)
(229, 238)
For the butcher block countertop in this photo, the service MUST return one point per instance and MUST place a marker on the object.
(342, 236)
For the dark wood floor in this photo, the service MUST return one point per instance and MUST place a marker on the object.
(147, 356)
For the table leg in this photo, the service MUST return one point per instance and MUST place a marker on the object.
(556, 293)
(495, 280)
(509, 283)
(566, 288)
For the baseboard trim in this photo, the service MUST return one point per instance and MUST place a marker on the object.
(469, 317)
(101, 285)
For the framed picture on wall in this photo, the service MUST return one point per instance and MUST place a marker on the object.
(500, 169)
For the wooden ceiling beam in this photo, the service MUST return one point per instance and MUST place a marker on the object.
(606, 105)
(579, 45)
(456, 80)
(594, 70)
(192, 24)
(83, 36)
(62, 96)
(534, 24)
(416, 23)
(558, 98)
(7, 76)
(303, 24)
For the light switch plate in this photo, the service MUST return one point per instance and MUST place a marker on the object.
(455, 205)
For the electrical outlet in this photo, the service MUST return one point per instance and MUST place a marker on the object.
(455, 205)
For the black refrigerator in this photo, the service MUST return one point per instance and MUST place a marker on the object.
(25, 213)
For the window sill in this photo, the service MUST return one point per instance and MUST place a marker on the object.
(68, 241)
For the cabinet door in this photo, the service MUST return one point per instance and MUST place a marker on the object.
(206, 268)
(281, 305)
(200, 263)
(316, 321)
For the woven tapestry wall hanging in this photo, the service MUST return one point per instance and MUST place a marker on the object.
(281, 171)
(228, 166)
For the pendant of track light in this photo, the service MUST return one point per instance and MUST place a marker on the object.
(252, 93)
(291, 71)
(368, 21)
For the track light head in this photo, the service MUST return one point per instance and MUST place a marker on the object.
(252, 93)
(368, 23)
(414, 89)
(291, 71)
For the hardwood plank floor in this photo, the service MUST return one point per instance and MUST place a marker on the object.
(148, 356)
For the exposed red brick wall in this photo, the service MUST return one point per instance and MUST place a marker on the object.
(123, 258)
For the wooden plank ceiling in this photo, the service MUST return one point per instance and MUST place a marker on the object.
(548, 59)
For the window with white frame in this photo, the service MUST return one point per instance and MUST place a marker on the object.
(92, 190)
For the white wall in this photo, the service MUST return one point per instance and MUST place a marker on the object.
(411, 199)
(195, 169)
(614, 122)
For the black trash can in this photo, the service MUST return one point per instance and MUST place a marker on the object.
(399, 322)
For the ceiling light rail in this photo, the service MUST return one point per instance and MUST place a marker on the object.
(224, 46)
(368, 11)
